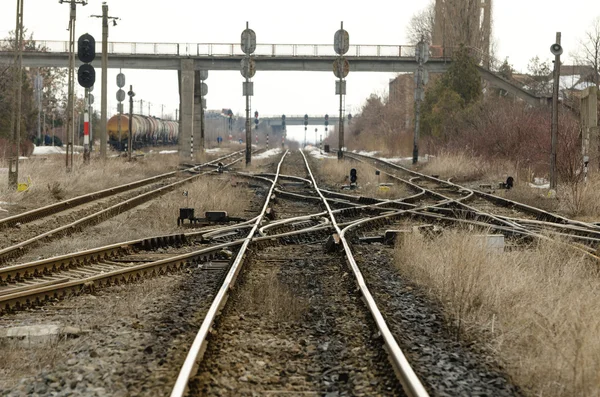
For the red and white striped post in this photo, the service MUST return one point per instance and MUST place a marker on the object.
(86, 129)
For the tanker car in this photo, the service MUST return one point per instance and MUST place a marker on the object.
(146, 131)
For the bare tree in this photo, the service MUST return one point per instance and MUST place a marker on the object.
(421, 25)
(589, 52)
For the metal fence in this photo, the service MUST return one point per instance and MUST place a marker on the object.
(226, 49)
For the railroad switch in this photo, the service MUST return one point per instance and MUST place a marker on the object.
(209, 217)
(333, 243)
(270, 214)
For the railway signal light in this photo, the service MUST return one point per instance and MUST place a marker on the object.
(256, 118)
(353, 176)
(86, 52)
(86, 48)
(86, 75)
(326, 120)
(306, 119)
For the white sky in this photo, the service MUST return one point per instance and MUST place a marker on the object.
(522, 28)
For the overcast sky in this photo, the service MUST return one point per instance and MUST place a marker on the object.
(522, 29)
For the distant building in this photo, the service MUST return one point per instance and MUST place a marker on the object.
(402, 94)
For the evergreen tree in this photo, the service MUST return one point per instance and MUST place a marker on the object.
(458, 88)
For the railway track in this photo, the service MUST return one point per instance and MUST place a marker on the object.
(340, 352)
(481, 206)
(37, 226)
(322, 330)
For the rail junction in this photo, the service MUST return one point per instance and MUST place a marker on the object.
(320, 244)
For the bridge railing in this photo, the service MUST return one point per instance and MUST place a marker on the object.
(225, 49)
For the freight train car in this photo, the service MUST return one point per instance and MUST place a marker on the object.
(146, 131)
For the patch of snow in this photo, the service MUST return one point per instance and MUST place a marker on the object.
(167, 151)
(217, 149)
(396, 159)
(365, 153)
(44, 150)
(316, 153)
(268, 153)
(544, 186)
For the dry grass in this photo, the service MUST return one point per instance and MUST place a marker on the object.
(209, 193)
(158, 217)
(336, 173)
(272, 299)
(534, 197)
(461, 167)
(50, 182)
(536, 308)
(581, 200)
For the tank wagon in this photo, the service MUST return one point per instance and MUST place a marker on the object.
(146, 131)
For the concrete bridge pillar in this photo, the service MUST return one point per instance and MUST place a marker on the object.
(186, 117)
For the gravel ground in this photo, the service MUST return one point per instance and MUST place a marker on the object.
(445, 366)
(133, 339)
(295, 325)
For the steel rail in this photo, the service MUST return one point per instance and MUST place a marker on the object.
(446, 200)
(8, 252)
(409, 380)
(86, 198)
(58, 262)
(493, 198)
(64, 286)
(199, 345)
(9, 300)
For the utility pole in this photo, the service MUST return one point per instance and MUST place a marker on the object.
(421, 78)
(130, 140)
(90, 98)
(104, 84)
(556, 49)
(13, 167)
(71, 82)
(38, 87)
